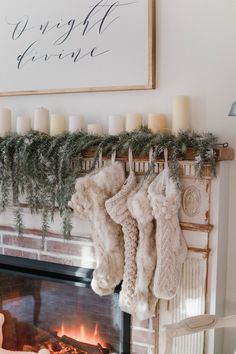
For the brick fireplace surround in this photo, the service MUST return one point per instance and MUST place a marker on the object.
(203, 217)
(78, 251)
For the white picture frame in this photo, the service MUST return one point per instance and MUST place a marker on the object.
(66, 46)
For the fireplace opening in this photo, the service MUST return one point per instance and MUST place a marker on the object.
(52, 306)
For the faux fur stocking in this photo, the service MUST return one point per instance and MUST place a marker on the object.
(140, 209)
(118, 210)
(165, 200)
(89, 202)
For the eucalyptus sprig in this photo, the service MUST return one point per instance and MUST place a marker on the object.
(44, 169)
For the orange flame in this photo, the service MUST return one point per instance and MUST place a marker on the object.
(82, 334)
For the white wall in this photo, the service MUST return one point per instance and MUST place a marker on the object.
(196, 56)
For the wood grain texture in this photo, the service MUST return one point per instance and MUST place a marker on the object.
(222, 154)
(196, 227)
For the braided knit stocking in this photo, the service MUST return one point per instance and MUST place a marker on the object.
(118, 210)
(165, 200)
(89, 202)
(139, 206)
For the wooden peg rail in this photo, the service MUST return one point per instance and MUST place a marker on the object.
(141, 165)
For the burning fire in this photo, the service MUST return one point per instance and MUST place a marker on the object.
(82, 334)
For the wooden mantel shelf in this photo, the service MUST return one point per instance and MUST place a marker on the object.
(222, 154)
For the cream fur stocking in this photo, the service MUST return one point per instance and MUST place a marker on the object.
(140, 209)
(118, 210)
(165, 200)
(89, 202)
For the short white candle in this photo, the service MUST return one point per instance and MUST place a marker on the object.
(116, 124)
(181, 114)
(23, 125)
(75, 123)
(5, 121)
(157, 123)
(95, 129)
(41, 120)
(133, 121)
(57, 124)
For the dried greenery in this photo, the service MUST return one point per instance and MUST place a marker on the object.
(43, 169)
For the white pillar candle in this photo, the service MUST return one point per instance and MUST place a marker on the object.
(75, 123)
(57, 124)
(23, 125)
(5, 121)
(95, 129)
(116, 124)
(133, 121)
(181, 114)
(41, 120)
(157, 123)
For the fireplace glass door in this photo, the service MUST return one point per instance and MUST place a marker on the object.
(62, 316)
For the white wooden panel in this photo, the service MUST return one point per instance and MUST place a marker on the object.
(190, 301)
(196, 239)
(195, 201)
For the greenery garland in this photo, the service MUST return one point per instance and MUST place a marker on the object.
(44, 168)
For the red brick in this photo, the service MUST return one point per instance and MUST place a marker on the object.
(22, 241)
(68, 261)
(70, 248)
(139, 349)
(142, 336)
(140, 324)
(47, 258)
(58, 236)
(19, 253)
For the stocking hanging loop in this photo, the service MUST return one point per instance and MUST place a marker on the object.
(166, 158)
(151, 163)
(131, 160)
(113, 156)
(151, 157)
(100, 158)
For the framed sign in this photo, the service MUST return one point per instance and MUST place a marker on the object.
(59, 46)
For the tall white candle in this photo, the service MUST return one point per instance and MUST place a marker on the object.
(41, 120)
(95, 129)
(5, 121)
(57, 124)
(75, 123)
(23, 125)
(116, 124)
(157, 123)
(181, 114)
(133, 121)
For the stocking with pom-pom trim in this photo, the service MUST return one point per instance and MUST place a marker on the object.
(165, 198)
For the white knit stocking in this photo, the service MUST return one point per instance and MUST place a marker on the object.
(165, 200)
(89, 202)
